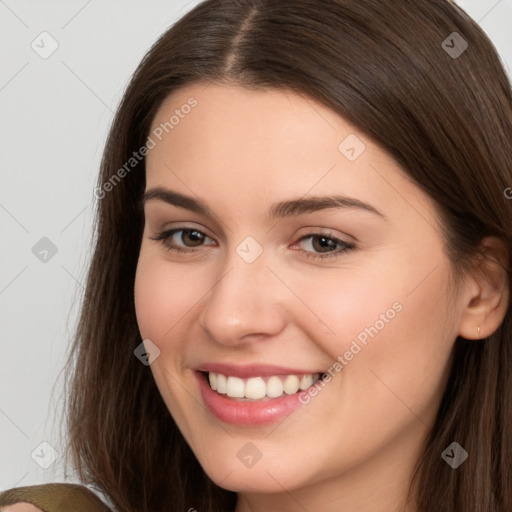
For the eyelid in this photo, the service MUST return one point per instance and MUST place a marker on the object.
(167, 233)
(345, 247)
(320, 234)
(342, 236)
(183, 225)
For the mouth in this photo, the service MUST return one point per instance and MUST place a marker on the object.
(254, 397)
(259, 388)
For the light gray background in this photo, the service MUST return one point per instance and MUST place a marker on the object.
(55, 114)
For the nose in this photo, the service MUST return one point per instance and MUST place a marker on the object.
(245, 304)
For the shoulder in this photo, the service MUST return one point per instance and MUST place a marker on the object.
(58, 497)
(20, 507)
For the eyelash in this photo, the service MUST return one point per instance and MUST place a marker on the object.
(164, 236)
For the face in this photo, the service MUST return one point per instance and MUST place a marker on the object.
(280, 244)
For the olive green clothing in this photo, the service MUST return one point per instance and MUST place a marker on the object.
(55, 498)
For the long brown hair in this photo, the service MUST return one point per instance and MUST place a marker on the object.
(385, 66)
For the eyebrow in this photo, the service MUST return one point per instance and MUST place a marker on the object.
(289, 208)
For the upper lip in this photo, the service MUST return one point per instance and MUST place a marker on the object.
(252, 370)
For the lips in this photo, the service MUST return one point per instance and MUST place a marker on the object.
(252, 394)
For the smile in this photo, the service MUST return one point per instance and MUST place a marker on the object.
(252, 395)
(260, 388)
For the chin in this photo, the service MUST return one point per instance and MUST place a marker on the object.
(262, 477)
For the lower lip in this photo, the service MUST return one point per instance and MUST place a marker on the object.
(241, 412)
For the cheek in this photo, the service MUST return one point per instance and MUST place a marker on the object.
(401, 371)
(345, 306)
(389, 336)
(164, 294)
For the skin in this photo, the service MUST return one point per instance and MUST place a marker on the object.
(354, 446)
(20, 507)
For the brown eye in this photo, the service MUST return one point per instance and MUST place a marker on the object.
(192, 237)
(317, 245)
(323, 243)
(183, 239)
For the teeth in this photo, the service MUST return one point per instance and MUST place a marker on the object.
(235, 387)
(291, 384)
(213, 380)
(256, 388)
(306, 382)
(222, 385)
(274, 387)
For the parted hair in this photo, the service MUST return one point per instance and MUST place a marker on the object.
(385, 66)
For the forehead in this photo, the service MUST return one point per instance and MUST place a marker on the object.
(250, 147)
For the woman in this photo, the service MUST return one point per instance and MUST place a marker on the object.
(299, 296)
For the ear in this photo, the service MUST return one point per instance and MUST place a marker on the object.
(486, 293)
